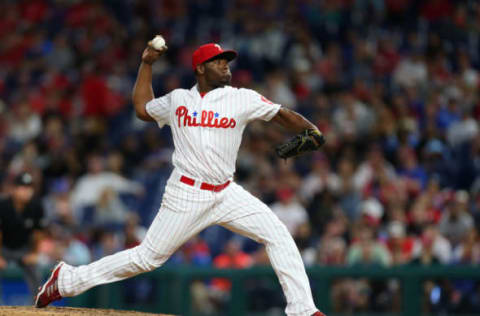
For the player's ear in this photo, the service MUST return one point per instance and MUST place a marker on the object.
(200, 69)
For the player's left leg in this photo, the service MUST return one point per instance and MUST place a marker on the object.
(169, 230)
(184, 212)
(243, 213)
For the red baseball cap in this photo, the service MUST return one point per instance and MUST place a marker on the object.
(209, 51)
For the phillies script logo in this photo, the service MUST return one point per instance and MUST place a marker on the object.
(204, 119)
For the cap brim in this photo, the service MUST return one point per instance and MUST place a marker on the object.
(227, 54)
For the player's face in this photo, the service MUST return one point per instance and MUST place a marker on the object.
(217, 72)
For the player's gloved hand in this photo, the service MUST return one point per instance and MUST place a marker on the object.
(307, 141)
(150, 54)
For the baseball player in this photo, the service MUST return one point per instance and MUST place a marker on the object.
(207, 122)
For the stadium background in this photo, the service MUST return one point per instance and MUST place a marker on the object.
(393, 85)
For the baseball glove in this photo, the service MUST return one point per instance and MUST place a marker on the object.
(307, 141)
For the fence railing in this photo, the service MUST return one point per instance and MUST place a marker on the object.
(174, 296)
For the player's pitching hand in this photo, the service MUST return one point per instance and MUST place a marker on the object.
(150, 54)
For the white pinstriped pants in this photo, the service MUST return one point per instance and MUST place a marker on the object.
(185, 211)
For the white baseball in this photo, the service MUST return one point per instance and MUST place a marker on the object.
(158, 42)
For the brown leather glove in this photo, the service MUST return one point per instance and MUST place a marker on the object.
(307, 141)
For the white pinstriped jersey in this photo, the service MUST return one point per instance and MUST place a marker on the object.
(207, 131)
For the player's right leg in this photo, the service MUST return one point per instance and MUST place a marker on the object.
(184, 212)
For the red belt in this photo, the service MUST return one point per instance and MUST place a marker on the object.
(205, 186)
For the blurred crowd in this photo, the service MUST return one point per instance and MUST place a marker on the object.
(393, 85)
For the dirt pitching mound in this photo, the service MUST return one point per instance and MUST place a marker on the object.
(66, 311)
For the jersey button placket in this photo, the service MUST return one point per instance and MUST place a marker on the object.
(202, 131)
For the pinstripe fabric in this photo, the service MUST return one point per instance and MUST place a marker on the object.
(241, 212)
(205, 150)
(185, 211)
(159, 109)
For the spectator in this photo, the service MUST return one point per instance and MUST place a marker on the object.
(105, 242)
(24, 124)
(69, 249)
(61, 55)
(411, 71)
(333, 252)
(290, 212)
(366, 251)
(456, 222)
(90, 187)
(321, 178)
(110, 210)
(436, 249)
(277, 88)
(350, 199)
(375, 164)
(427, 207)
(352, 118)
(468, 251)
(463, 130)
(57, 205)
(401, 247)
(410, 171)
(436, 162)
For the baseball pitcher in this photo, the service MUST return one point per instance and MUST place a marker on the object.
(207, 122)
